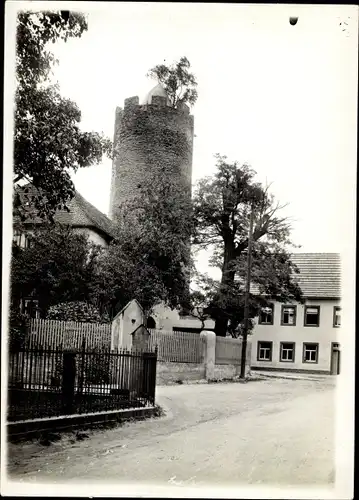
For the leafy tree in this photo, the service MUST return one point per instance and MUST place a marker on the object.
(59, 266)
(177, 81)
(222, 207)
(150, 259)
(199, 306)
(48, 141)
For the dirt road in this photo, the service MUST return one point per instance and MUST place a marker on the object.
(264, 432)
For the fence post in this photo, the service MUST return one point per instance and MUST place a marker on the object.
(209, 353)
(68, 381)
(81, 375)
(149, 376)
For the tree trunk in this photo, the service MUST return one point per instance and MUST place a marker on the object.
(221, 326)
(226, 280)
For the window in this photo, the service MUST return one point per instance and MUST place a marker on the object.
(30, 308)
(17, 237)
(266, 315)
(337, 317)
(287, 350)
(264, 351)
(22, 239)
(289, 315)
(311, 316)
(151, 323)
(310, 353)
(28, 242)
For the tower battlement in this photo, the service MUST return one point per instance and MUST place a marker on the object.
(156, 101)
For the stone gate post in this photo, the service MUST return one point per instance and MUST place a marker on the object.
(209, 353)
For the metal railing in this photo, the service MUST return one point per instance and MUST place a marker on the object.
(45, 382)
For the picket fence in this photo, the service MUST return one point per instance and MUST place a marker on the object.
(228, 351)
(177, 347)
(172, 347)
(68, 334)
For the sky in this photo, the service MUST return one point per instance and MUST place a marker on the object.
(278, 97)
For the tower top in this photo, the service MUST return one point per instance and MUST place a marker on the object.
(157, 91)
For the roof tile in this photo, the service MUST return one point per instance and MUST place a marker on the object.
(81, 214)
(319, 275)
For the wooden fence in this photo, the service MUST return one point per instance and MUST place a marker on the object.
(69, 334)
(177, 347)
(228, 351)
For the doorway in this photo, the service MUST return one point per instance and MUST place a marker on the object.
(335, 359)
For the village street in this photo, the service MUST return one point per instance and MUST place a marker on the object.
(272, 431)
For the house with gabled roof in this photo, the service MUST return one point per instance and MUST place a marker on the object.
(126, 321)
(82, 216)
(303, 337)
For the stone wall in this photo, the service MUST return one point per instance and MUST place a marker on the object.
(170, 373)
(228, 371)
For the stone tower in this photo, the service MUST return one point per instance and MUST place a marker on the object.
(151, 139)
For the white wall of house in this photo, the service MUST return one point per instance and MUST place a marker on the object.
(323, 335)
(93, 236)
(124, 324)
(167, 319)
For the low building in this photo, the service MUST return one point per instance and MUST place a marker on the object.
(165, 318)
(303, 337)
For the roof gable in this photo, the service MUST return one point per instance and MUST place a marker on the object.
(81, 214)
(133, 301)
(85, 214)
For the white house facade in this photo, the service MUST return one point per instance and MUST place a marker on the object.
(303, 337)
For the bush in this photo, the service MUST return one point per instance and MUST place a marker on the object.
(82, 312)
(19, 324)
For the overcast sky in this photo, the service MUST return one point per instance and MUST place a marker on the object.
(279, 97)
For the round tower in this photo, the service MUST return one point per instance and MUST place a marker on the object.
(152, 140)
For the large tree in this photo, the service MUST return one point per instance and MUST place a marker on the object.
(177, 80)
(150, 259)
(222, 207)
(60, 265)
(48, 140)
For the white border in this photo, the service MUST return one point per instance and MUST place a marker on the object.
(345, 400)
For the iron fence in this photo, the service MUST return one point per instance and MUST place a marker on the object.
(46, 382)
